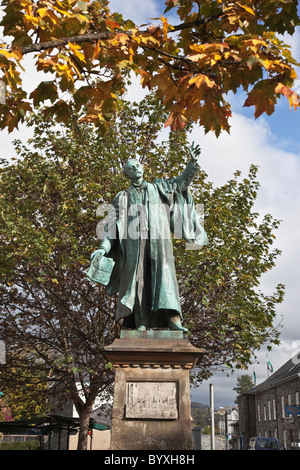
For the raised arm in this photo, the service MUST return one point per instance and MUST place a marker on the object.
(194, 153)
(192, 168)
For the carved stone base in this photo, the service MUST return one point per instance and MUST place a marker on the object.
(151, 408)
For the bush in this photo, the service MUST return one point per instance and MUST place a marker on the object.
(27, 445)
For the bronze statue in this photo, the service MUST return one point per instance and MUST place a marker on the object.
(138, 243)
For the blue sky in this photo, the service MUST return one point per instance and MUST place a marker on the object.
(273, 144)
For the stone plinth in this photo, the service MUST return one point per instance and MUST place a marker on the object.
(151, 408)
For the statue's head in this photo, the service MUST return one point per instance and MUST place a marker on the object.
(133, 169)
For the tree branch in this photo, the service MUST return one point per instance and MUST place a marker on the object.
(91, 37)
(196, 23)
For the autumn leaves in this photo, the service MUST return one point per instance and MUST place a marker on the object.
(217, 47)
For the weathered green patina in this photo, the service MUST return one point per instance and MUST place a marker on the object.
(138, 238)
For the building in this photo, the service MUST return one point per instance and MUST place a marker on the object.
(226, 420)
(272, 408)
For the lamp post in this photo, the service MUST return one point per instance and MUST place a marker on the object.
(212, 416)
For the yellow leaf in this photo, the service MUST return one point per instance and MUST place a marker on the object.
(42, 12)
(248, 9)
(32, 19)
(76, 51)
(62, 12)
(131, 53)
(9, 55)
(165, 27)
(200, 80)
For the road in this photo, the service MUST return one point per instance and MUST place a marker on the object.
(220, 443)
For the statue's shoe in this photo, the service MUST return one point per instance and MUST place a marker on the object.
(142, 328)
(177, 326)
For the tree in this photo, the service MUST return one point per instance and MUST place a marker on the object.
(5, 411)
(216, 47)
(243, 384)
(200, 416)
(28, 398)
(54, 321)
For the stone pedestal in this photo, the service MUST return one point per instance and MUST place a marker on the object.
(151, 408)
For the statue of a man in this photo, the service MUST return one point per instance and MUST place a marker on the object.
(139, 241)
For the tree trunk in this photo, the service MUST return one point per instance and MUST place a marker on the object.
(84, 428)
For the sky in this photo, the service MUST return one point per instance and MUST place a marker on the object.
(273, 144)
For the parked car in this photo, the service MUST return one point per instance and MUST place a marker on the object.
(263, 443)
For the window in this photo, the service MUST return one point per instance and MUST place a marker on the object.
(258, 413)
(282, 407)
(297, 399)
(274, 408)
(289, 399)
(284, 438)
(265, 412)
(269, 410)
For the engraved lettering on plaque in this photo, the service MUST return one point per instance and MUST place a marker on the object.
(151, 400)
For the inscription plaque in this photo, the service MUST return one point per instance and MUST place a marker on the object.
(151, 400)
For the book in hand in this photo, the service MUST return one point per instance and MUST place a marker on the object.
(100, 270)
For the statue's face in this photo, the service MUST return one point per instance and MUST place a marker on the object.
(134, 170)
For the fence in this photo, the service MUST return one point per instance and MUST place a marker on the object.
(18, 438)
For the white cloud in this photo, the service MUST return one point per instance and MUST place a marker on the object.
(252, 142)
(136, 10)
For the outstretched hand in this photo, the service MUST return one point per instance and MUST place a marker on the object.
(194, 152)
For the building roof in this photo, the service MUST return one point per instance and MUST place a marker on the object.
(289, 370)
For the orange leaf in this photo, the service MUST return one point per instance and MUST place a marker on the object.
(96, 50)
(176, 121)
(111, 24)
(292, 96)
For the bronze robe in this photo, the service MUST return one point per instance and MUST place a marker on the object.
(145, 263)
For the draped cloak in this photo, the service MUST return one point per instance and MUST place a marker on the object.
(167, 207)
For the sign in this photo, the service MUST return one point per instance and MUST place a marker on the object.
(151, 400)
(292, 410)
(290, 419)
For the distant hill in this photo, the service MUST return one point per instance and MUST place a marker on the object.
(195, 404)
